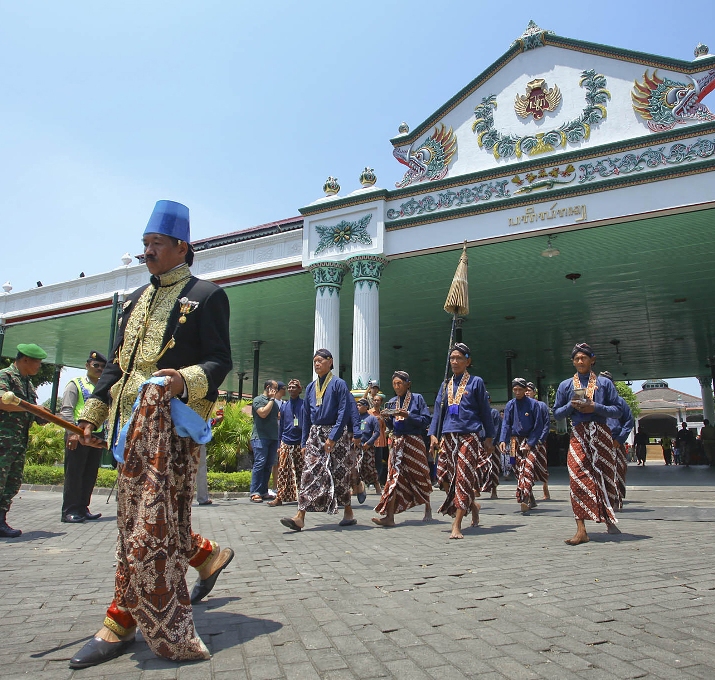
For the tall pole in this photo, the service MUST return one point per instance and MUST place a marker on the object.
(55, 387)
(510, 354)
(256, 363)
(113, 327)
(241, 376)
(458, 321)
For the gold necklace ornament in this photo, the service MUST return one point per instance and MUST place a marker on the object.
(590, 388)
(320, 391)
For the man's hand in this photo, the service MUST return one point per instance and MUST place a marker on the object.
(88, 439)
(502, 447)
(176, 380)
(72, 441)
(329, 445)
(488, 445)
(583, 406)
(433, 443)
(357, 441)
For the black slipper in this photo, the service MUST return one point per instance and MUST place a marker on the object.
(290, 523)
(347, 522)
(98, 651)
(203, 587)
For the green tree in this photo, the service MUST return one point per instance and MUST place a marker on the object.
(45, 445)
(230, 439)
(629, 397)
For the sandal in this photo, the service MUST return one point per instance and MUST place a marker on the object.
(256, 498)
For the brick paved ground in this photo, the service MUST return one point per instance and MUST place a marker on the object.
(509, 601)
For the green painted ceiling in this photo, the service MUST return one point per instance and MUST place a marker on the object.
(631, 273)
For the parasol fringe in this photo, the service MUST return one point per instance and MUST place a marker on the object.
(457, 302)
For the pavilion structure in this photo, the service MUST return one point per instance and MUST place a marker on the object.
(581, 178)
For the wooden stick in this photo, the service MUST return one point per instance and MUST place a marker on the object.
(12, 399)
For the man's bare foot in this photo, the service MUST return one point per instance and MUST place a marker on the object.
(275, 502)
(524, 508)
(612, 528)
(378, 489)
(494, 496)
(428, 514)
(456, 530)
(475, 514)
(219, 561)
(545, 497)
(383, 521)
(110, 636)
(578, 538)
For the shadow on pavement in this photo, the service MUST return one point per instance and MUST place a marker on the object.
(617, 538)
(34, 535)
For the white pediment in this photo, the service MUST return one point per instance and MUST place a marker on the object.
(554, 98)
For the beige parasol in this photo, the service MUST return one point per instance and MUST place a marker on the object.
(458, 297)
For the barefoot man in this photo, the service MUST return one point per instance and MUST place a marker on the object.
(327, 434)
(464, 461)
(541, 470)
(589, 401)
(408, 478)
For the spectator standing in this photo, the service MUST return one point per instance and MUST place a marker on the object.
(81, 462)
(640, 443)
(264, 439)
(685, 442)
(707, 438)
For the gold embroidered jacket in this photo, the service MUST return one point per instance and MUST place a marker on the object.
(177, 321)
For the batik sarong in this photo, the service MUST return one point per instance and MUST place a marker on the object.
(592, 472)
(530, 467)
(290, 471)
(408, 475)
(492, 481)
(155, 544)
(325, 482)
(365, 466)
(463, 468)
(621, 470)
(541, 466)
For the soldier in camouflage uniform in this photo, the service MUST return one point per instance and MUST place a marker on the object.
(15, 427)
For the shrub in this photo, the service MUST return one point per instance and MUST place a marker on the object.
(45, 445)
(47, 475)
(51, 475)
(230, 439)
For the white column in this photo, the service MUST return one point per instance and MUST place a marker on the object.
(328, 279)
(706, 392)
(366, 271)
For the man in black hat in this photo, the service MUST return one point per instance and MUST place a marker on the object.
(523, 428)
(81, 462)
(590, 401)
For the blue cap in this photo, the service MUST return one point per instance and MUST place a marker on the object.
(171, 219)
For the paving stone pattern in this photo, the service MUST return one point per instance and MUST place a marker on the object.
(511, 600)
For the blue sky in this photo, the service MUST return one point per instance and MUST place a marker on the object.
(239, 110)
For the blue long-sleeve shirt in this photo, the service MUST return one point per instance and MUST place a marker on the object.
(496, 419)
(354, 419)
(291, 424)
(621, 427)
(369, 428)
(336, 409)
(605, 399)
(473, 413)
(417, 420)
(522, 418)
(545, 420)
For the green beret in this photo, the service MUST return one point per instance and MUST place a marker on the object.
(32, 351)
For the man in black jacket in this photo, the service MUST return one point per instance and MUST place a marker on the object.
(175, 329)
